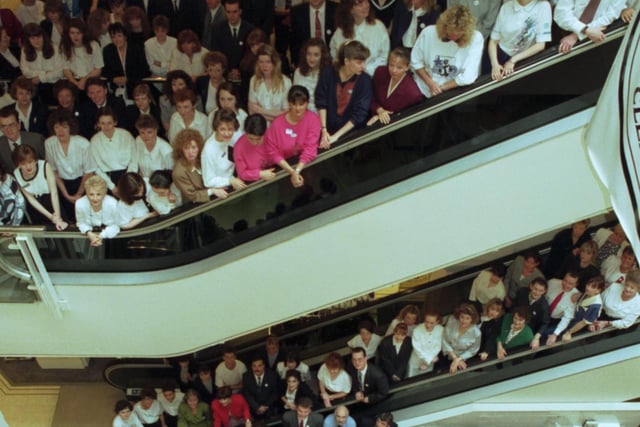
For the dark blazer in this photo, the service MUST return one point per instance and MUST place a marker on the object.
(490, 330)
(263, 353)
(8, 71)
(301, 27)
(392, 362)
(208, 24)
(133, 113)
(30, 138)
(290, 419)
(376, 385)
(90, 113)
(37, 119)
(264, 395)
(136, 65)
(303, 391)
(260, 13)
(202, 88)
(182, 19)
(539, 310)
(402, 20)
(154, 7)
(233, 49)
(204, 394)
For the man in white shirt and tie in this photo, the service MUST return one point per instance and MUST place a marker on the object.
(561, 304)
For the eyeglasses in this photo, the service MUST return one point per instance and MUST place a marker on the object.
(9, 125)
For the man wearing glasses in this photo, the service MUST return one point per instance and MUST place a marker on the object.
(12, 137)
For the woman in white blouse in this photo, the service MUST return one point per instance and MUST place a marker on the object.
(81, 57)
(69, 155)
(189, 54)
(366, 338)
(186, 115)
(160, 49)
(39, 60)
(427, 343)
(97, 212)
(620, 303)
(355, 20)
(152, 152)
(132, 206)
(268, 88)
(217, 167)
(333, 381)
(113, 150)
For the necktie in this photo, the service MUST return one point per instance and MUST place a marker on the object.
(259, 380)
(555, 302)
(175, 6)
(589, 12)
(301, 423)
(361, 380)
(318, 25)
(235, 34)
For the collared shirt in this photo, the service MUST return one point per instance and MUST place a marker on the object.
(410, 36)
(24, 118)
(565, 308)
(312, 19)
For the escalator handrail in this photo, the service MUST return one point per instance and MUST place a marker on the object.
(484, 84)
(443, 282)
(422, 379)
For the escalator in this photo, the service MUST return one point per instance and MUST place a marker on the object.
(446, 181)
(522, 368)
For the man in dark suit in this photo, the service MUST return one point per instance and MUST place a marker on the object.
(152, 8)
(533, 297)
(303, 24)
(182, 14)
(204, 384)
(369, 383)
(260, 389)
(271, 353)
(213, 15)
(229, 37)
(394, 352)
(260, 13)
(99, 98)
(302, 416)
(10, 126)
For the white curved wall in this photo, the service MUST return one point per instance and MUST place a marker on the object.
(452, 214)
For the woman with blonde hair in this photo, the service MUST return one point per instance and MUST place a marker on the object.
(447, 55)
(268, 88)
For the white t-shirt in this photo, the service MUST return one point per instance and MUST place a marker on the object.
(519, 27)
(230, 377)
(445, 61)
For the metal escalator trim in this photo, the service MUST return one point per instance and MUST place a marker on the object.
(410, 116)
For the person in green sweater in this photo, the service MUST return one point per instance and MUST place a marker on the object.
(514, 332)
(192, 412)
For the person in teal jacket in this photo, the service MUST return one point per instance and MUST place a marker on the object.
(514, 332)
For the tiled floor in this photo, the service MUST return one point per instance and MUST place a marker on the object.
(61, 398)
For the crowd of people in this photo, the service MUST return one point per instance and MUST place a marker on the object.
(506, 311)
(92, 138)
